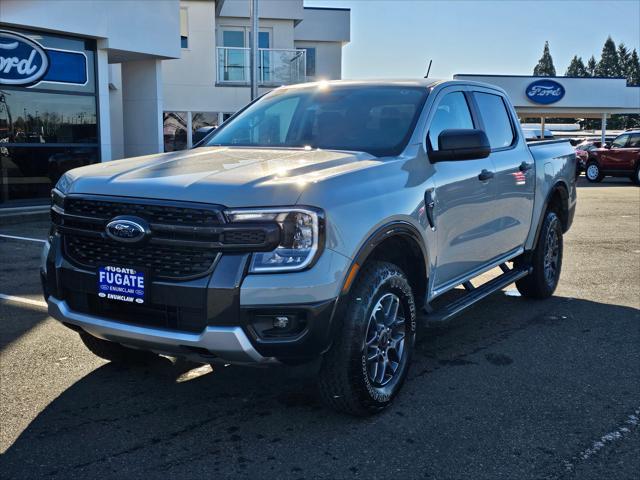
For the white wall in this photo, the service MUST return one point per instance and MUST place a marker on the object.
(328, 59)
(325, 24)
(144, 27)
(284, 9)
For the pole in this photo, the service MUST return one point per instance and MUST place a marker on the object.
(603, 128)
(541, 128)
(254, 52)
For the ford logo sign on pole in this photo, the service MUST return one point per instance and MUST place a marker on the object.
(22, 60)
(545, 91)
(128, 230)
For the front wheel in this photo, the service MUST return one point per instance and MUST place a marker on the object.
(635, 178)
(367, 364)
(545, 261)
(593, 172)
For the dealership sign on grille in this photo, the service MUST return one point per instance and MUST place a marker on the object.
(545, 91)
(24, 62)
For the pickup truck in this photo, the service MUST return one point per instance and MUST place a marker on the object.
(320, 225)
(620, 158)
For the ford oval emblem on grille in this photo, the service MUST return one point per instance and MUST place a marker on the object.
(129, 229)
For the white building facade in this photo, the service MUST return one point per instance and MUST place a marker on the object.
(90, 81)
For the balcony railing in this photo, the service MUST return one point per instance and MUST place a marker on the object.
(275, 66)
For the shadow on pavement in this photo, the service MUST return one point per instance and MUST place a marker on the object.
(167, 419)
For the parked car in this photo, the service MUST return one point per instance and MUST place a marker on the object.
(312, 228)
(620, 158)
(534, 134)
(582, 154)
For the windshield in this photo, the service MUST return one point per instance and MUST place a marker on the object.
(373, 119)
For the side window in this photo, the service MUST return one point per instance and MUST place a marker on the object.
(620, 142)
(452, 112)
(634, 141)
(496, 119)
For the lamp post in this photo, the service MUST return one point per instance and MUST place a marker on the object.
(254, 49)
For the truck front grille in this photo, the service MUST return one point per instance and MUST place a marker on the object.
(168, 262)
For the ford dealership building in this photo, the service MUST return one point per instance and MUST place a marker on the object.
(84, 82)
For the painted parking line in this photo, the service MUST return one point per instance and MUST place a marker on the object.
(27, 239)
(25, 301)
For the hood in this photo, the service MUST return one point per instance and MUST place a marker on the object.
(229, 176)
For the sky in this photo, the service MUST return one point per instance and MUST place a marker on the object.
(396, 38)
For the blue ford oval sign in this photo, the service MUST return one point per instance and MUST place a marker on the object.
(22, 60)
(545, 91)
(127, 230)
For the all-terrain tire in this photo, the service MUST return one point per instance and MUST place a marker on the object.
(346, 379)
(545, 260)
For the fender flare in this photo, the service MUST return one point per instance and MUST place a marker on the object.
(562, 187)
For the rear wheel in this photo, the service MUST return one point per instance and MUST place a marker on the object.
(593, 172)
(635, 178)
(367, 364)
(115, 352)
(545, 261)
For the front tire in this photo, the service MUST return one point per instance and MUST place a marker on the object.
(635, 178)
(115, 352)
(593, 172)
(545, 261)
(368, 362)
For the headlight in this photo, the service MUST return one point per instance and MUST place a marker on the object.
(63, 184)
(302, 237)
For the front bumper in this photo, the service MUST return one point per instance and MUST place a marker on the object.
(229, 344)
(204, 319)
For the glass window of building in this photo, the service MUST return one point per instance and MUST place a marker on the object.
(174, 131)
(49, 125)
(203, 123)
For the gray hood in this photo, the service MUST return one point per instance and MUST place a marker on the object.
(230, 176)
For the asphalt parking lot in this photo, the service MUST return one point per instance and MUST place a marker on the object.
(511, 389)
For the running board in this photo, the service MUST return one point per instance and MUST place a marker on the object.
(475, 294)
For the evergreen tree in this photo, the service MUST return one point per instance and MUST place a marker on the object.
(576, 68)
(545, 67)
(633, 70)
(609, 64)
(591, 66)
(624, 57)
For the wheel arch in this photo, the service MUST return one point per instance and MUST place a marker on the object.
(558, 199)
(400, 243)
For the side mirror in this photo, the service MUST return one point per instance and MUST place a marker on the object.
(461, 144)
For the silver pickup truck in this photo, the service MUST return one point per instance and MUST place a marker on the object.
(317, 226)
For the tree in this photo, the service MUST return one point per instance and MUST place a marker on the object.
(576, 68)
(633, 70)
(623, 59)
(609, 64)
(591, 66)
(545, 67)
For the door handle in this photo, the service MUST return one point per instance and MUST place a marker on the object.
(429, 206)
(524, 166)
(485, 175)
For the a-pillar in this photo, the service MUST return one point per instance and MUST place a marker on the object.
(142, 107)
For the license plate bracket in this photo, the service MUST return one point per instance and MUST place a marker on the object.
(122, 284)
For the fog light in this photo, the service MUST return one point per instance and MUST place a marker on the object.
(281, 322)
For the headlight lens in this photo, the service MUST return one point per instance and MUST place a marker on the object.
(63, 184)
(300, 238)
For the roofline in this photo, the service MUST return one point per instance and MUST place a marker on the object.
(537, 76)
(341, 9)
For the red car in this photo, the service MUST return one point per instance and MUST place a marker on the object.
(621, 158)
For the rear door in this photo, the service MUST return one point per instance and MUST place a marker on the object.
(461, 200)
(514, 181)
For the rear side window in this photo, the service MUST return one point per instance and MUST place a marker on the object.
(496, 119)
(452, 112)
(634, 140)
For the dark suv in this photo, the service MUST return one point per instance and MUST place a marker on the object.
(621, 158)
